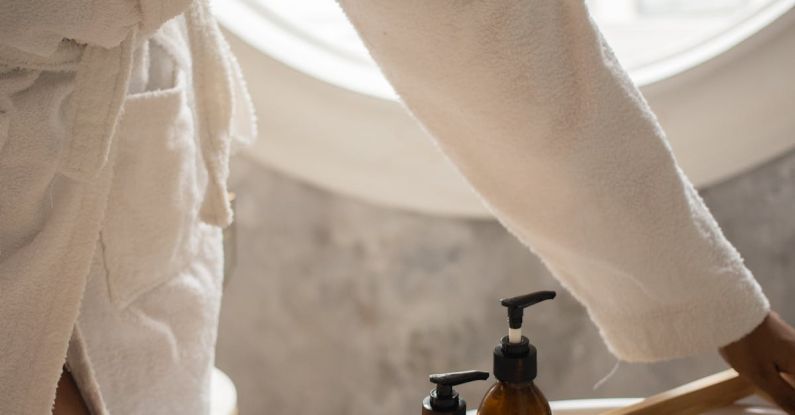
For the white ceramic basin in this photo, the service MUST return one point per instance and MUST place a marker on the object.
(597, 406)
(223, 394)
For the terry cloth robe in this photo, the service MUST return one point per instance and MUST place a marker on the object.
(116, 133)
(124, 211)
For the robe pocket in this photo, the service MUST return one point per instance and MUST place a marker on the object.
(150, 231)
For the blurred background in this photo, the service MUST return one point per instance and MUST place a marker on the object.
(364, 262)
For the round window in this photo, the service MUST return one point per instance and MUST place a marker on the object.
(717, 73)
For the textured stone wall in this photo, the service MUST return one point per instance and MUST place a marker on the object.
(339, 307)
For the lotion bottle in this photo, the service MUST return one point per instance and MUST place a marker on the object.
(515, 366)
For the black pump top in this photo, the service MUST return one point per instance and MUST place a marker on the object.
(444, 399)
(516, 305)
(515, 359)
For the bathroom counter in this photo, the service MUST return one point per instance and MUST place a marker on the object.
(597, 406)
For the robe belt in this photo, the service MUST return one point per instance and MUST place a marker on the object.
(100, 88)
(214, 100)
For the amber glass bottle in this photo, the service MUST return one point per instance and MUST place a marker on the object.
(514, 399)
(515, 366)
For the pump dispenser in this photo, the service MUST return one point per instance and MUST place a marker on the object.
(444, 400)
(516, 366)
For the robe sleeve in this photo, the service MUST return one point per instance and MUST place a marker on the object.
(529, 102)
(38, 26)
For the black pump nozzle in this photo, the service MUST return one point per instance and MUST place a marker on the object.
(444, 399)
(516, 305)
(515, 358)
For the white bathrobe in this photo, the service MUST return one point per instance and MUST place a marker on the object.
(115, 132)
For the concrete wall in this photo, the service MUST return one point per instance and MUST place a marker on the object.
(341, 307)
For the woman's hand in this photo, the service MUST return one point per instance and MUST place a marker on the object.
(765, 357)
(68, 400)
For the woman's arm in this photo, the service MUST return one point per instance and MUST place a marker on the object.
(528, 101)
(531, 105)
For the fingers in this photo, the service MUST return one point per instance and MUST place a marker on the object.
(777, 389)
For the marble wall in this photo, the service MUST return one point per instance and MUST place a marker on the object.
(341, 307)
